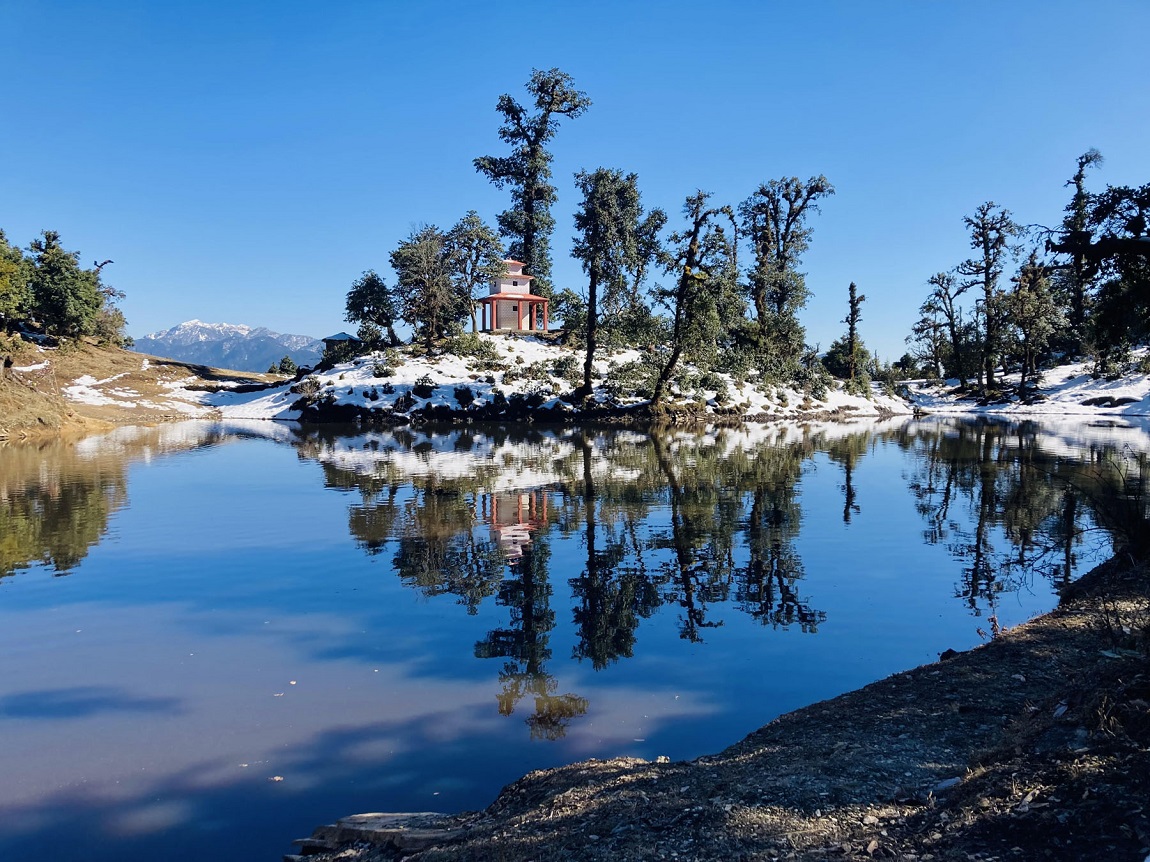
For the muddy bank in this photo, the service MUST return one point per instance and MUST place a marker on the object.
(1035, 745)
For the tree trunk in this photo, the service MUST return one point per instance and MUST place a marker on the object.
(592, 329)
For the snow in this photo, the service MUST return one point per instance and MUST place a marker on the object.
(86, 389)
(524, 366)
(83, 390)
(199, 330)
(39, 366)
(1066, 390)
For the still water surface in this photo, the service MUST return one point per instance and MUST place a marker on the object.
(215, 637)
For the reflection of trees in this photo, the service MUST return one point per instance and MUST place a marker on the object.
(525, 643)
(56, 517)
(847, 451)
(613, 591)
(700, 573)
(695, 521)
(768, 584)
(438, 547)
(1017, 490)
(438, 550)
(56, 498)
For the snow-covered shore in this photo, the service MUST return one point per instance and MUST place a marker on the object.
(533, 372)
(1068, 390)
(510, 378)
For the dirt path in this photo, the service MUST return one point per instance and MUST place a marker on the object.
(1034, 746)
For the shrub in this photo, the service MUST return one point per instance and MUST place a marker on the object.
(464, 396)
(381, 369)
(470, 344)
(568, 367)
(633, 379)
(307, 386)
(424, 386)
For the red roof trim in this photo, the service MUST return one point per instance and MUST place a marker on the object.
(513, 296)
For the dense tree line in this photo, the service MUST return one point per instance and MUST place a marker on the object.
(681, 296)
(1021, 298)
(45, 290)
(1027, 297)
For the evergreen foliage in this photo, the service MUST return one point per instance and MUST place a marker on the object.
(47, 289)
(527, 171)
(476, 256)
(991, 230)
(15, 291)
(65, 298)
(428, 295)
(610, 243)
(370, 302)
(704, 264)
(774, 220)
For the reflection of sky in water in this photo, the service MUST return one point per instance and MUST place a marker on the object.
(228, 630)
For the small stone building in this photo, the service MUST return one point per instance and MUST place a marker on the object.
(511, 305)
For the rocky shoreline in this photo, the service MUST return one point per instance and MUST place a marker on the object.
(1035, 745)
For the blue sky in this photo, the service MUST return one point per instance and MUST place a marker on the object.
(246, 161)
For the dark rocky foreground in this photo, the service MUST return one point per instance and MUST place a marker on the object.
(1033, 746)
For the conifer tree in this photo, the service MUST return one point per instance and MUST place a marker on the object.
(703, 259)
(371, 302)
(609, 222)
(774, 219)
(991, 230)
(527, 171)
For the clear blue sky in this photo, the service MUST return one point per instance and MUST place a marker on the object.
(246, 161)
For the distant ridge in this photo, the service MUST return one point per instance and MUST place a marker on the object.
(230, 345)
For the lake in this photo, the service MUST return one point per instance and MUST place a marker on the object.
(215, 637)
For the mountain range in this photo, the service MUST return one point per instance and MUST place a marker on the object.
(230, 345)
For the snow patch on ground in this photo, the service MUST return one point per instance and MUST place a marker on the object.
(1068, 390)
(525, 366)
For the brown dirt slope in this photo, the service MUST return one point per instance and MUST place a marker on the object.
(1034, 746)
(139, 389)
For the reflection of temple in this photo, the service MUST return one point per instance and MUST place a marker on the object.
(513, 517)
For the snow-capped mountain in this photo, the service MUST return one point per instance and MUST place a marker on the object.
(230, 345)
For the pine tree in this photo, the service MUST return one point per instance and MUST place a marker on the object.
(991, 230)
(527, 171)
(608, 245)
(704, 258)
(774, 219)
(370, 301)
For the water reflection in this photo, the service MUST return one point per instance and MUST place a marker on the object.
(56, 497)
(706, 523)
(1036, 490)
(447, 597)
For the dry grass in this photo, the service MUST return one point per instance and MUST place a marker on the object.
(32, 403)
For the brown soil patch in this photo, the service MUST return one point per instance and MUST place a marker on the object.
(138, 388)
(1034, 746)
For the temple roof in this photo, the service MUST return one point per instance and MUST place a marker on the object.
(514, 297)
